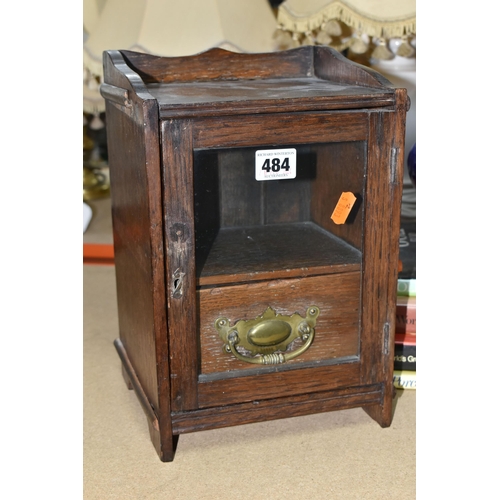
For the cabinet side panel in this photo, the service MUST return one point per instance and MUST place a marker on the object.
(380, 256)
(138, 242)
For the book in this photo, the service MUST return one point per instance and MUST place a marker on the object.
(407, 287)
(405, 379)
(405, 352)
(406, 314)
(98, 254)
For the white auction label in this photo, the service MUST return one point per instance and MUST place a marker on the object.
(275, 164)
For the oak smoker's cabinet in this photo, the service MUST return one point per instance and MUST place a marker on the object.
(239, 297)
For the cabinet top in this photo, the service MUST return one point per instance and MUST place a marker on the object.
(220, 82)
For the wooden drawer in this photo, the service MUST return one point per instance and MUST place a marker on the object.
(336, 340)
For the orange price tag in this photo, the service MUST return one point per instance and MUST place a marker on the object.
(343, 208)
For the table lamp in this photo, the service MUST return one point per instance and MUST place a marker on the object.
(377, 33)
(170, 28)
(163, 28)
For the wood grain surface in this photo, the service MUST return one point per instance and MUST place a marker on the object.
(337, 326)
(197, 237)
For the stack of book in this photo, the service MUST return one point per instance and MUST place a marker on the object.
(405, 347)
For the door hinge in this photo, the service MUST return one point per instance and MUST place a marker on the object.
(387, 335)
(393, 167)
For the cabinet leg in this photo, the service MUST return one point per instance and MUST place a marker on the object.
(383, 413)
(166, 447)
(161, 435)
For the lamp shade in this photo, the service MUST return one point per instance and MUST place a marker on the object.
(357, 25)
(171, 28)
(378, 18)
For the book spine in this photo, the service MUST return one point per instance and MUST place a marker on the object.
(404, 379)
(407, 287)
(405, 354)
(406, 315)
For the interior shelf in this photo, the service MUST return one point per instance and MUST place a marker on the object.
(274, 251)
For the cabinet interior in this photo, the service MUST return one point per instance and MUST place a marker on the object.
(247, 229)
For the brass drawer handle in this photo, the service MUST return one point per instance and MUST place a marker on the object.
(267, 337)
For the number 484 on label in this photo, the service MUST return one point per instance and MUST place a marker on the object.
(275, 164)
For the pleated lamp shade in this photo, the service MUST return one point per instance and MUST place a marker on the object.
(379, 18)
(356, 25)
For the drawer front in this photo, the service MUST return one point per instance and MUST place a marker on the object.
(330, 362)
(336, 332)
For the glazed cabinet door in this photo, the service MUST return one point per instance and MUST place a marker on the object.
(276, 246)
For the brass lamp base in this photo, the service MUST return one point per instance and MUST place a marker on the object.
(95, 184)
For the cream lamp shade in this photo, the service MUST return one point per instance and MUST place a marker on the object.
(169, 28)
(353, 24)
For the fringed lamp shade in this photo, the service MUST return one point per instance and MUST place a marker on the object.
(357, 25)
(170, 28)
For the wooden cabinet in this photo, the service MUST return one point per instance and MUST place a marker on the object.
(239, 298)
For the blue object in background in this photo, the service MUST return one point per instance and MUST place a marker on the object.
(412, 172)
